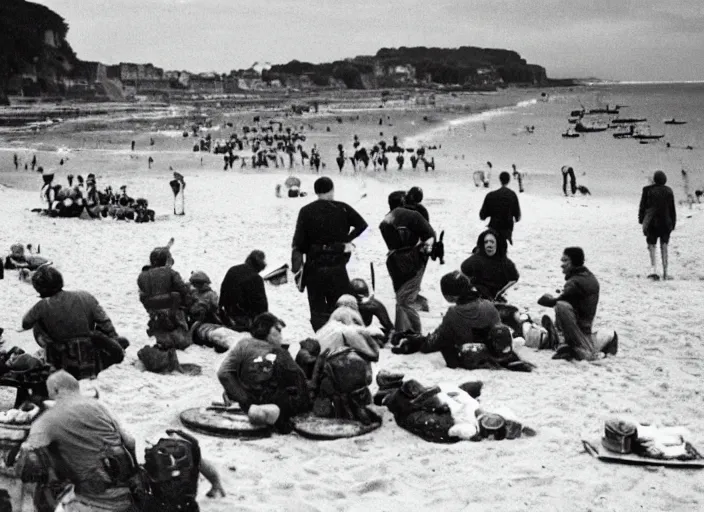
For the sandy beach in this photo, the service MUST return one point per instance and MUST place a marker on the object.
(656, 377)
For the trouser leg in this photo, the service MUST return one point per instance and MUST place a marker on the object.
(566, 321)
(325, 285)
(407, 318)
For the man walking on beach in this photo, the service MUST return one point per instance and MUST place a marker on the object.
(575, 309)
(409, 238)
(324, 231)
(658, 216)
(501, 205)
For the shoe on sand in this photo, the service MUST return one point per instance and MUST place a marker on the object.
(611, 348)
(654, 277)
(564, 352)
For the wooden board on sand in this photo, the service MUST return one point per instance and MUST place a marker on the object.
(222, 422)
(596, 450)
(323, 429)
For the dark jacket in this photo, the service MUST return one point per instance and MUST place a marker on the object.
(159, 287)
(242, 293)
(368, 309)
(657, 209)
(581, 290)
(502, 206)
(68, 315)
(402, 229)
(463, 323)
(324, 223)
(489, 274)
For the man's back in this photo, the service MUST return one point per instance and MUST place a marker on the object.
(658, 203)
(324, 222)
(242, 291)
(502, 206)
(67, 315)
(581, 290)
(78, 429)
(403, 228)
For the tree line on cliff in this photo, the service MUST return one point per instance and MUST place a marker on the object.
(33, 43)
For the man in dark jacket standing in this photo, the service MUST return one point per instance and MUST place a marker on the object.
(658, 216)
(409, 238)
(242, 293)
(575, 309)
(503, 208)
(324, 230)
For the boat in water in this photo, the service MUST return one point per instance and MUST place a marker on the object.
(570, 133)
(645, 134)
(628, 120)
(675, 121)
(588, 127)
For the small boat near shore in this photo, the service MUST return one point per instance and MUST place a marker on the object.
(628, 120)
(570, 134)
(645, 134)
(589, 127)
(674, 121)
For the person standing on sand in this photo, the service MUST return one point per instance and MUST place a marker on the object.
(16, 161)
(324, 231)
(658, 217)
(409, 238)
(575, 309)
(501, 205)
(568, 172)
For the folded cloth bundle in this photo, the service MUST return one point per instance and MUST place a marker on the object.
(661, 443)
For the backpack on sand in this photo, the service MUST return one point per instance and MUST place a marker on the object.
(171, 469)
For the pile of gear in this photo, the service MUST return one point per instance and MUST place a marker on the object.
(446, 413)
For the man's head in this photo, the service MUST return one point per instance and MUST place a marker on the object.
(47, 281)
(414, 195)
(572, 257)
(161, 257)
(504, 178)
(257, 260)
(324, 188)
(267, 327)
(61, 383)
(659, 178)
(199, 279)
(17, 250)
(396, 199)
(490, 244)
(347, 300)
(359, 288)
(456, 286)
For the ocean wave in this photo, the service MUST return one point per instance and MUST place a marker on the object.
(415, 140)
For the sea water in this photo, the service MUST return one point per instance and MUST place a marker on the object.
(606, 165)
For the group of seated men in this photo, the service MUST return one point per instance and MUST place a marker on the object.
(73, 200)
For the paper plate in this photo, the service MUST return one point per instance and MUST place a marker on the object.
(223, 422)
(596, 450)
(314, 427)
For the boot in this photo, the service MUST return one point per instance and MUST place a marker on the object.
(553, 338)
(611, 348)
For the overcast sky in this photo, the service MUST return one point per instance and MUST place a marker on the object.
(610, 39)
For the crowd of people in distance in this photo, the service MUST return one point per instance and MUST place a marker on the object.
(84, 196)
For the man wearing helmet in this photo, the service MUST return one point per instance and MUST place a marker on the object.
(370, 307)
(63, 319)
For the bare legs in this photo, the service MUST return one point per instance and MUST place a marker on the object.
(663, 254)
(653, 263)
